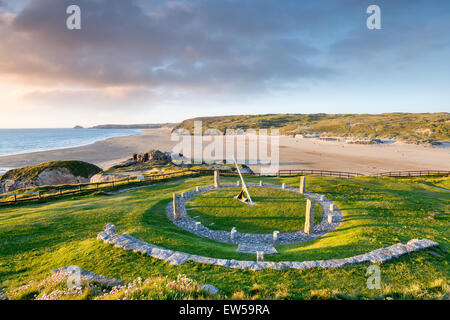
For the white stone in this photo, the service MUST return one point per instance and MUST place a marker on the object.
(233, 233)
(209, 289)
(197, 189)
(283, 186)
(261, 183)
(331, 218)
(322, 197)
(331, 207)
(110, 228)
(238, 183)
(275, 235)
(197, 225)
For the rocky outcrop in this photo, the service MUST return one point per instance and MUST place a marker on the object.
(48, 174)
(152, 155)
(48, 177)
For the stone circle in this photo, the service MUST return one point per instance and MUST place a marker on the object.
(251, 242)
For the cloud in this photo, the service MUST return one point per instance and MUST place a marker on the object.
(181, 50)
(183, 45)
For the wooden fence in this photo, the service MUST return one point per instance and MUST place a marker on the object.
(416, 173)
(64, 190)
(327, 173)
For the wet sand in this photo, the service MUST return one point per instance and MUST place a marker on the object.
(294, 154)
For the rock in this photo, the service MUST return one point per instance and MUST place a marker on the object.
(209, 289)
(152, 155)
(178, 258)
(103, 177)
(381, 255)
(109, 228)
(90, 276)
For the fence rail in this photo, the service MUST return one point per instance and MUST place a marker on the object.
(328, 173)
(64, 190)
(414, 173)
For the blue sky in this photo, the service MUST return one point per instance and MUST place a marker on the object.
(165, 61)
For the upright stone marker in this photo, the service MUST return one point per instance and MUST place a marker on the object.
(197, 189)
(322, 197)
(259, 256)
(216, 179)
(331, 218)
(176, 207)
(233, 234)
(261, 183)
(197, 225)
(302, 184)
(238, 183)
(309, 217)
(283, 186)
(275, 235)
(331, 207)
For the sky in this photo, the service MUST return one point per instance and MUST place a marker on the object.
(153, 61)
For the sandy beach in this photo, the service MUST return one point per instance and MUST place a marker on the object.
(294, 154)
(103, 153)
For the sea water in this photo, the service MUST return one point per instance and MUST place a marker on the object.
(17, 141)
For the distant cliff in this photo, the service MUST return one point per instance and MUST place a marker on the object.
(133, 126)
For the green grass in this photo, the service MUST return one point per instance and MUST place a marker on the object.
(274, 210)
(35, 238)
(409, 127)
(440, 182)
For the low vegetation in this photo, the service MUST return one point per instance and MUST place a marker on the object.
(38, 237)
(55, 288)
(430, 128)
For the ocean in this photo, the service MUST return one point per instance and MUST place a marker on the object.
(17, 141)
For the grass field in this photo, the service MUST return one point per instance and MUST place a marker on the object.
(408, 127)
(38, 237)
(274, 210)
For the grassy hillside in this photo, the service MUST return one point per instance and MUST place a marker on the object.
(408, 127)
(77, 168)
(378, 212)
